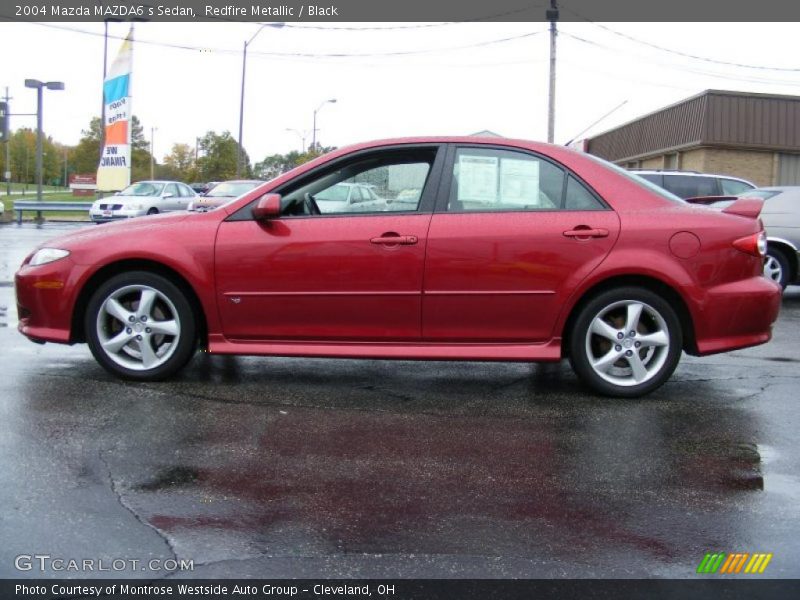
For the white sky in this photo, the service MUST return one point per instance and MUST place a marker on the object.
(501, 87)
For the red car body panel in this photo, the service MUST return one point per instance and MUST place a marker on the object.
(473, 286)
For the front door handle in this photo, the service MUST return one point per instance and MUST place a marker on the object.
(586, 232)
(395, 240)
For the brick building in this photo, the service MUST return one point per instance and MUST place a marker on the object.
(747, 135)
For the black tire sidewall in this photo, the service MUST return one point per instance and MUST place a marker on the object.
(186, 344)
(580, 362)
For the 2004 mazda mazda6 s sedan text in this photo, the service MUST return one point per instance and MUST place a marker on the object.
(514, 251)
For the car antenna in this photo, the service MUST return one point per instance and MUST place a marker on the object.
(608, 114)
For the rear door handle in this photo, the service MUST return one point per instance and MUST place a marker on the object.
(395, 240)
(586, 233)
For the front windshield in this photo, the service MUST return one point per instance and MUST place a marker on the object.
(143, 188)
(231, 189)
(641, 181)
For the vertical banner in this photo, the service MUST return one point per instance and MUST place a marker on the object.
(114, 171)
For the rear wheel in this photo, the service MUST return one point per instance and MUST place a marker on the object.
(140, 326)
(776, 266)
(626, 342)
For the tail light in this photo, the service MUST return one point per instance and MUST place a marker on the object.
(755, 244)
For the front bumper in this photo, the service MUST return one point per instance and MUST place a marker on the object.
(737, 315)
(106, 216)
(46, 296)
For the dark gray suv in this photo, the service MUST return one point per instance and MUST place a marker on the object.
(688, 184)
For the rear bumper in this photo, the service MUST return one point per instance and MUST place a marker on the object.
(737, 315)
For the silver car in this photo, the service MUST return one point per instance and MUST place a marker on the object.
(143, 198)
(781, 218)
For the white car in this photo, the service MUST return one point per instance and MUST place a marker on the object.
(143, 198)
(348, 197)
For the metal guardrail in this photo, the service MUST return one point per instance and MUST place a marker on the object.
(22, 205)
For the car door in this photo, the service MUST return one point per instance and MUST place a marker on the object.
(512, 234)
(324, 272)
(169, 198)
(185, 196)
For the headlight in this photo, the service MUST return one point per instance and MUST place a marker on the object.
(47, 255)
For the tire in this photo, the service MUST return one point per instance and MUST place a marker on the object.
(777, 267)
(152, 211)
(602, 333)
(119, 330)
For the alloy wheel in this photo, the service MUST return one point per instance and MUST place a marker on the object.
(627, 343)
(138, 327)
(773, 269)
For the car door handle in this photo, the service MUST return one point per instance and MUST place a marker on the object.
(579, 232)
(395, 240)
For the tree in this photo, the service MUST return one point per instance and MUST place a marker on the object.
(85, 156)
(179, 164)
(277, 164)
(220, 152)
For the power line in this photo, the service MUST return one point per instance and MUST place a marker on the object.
(297, 54)
(679, 52)
(684, 69)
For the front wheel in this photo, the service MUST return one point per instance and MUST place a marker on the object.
(626, 342)
(140, 326)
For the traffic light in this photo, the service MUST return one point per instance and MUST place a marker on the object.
(3, 121)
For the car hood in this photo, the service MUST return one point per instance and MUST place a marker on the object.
(94, 233)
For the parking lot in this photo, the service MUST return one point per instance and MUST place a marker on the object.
(275, 467)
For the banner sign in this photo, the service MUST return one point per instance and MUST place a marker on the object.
(114, 171)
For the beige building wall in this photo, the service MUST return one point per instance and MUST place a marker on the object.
(752, 165)
(693, 160)
(758, 167)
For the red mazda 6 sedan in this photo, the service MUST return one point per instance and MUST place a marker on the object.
(461, 249)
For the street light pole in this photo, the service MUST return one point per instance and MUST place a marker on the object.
(314, 130)
(302, 135)
(39, 87)
(240, 151)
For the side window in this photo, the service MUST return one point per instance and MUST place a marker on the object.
(372, 185)
(579, 198)
(185, 191)
(731, 187)
(171, 189)
(504, 180)
(690, 186)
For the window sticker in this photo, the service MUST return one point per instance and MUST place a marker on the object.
(519, 182)
(477, 178)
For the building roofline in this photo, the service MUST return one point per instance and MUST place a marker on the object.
(730, 93)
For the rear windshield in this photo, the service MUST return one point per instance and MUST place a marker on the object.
(763, 194)
(640, 181)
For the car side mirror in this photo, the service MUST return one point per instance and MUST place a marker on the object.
(168, 195)
(267, 207)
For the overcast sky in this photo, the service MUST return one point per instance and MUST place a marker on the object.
(445, 89)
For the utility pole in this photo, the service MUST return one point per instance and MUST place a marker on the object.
(8, 146)
(152, 148)
(552, 16)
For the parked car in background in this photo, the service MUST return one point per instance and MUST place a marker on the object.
(348, 197)
(516, 251)
(222, 193)
(689, 184)
(143, 198)
(781, 218)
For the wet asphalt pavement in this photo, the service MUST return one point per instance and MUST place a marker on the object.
(277, 468)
